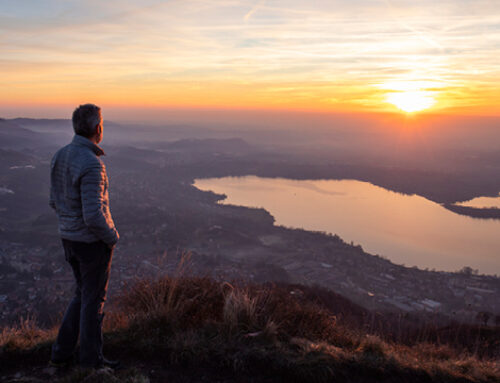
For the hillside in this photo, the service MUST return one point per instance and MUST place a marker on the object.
(226, 241)
(187, 329)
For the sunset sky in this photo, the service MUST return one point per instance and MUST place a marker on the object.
(329, 56)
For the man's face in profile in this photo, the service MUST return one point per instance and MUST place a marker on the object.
(99, 131)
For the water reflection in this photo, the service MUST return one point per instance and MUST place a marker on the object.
(409, 230)
(482, 202)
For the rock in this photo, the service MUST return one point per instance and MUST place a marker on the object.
(49, 371)
(104, 374)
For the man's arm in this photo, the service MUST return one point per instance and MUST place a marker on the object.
(92, 185)
(52, 202)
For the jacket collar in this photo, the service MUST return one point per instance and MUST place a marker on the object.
(83, 141)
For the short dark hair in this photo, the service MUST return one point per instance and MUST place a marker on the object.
(85, 119)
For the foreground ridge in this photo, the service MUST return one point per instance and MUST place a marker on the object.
(183, 329)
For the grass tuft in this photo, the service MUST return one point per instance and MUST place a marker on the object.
(266, 332)
(24, 335)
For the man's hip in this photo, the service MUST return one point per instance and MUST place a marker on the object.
(87, 252)
(91, 264)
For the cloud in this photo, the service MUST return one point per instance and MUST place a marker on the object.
(279, 44)
(256, 7)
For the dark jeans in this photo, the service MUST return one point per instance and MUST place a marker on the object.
(91, 263)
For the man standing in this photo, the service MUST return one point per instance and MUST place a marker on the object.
(79, 195)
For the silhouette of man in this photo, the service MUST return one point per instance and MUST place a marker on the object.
(79, 195)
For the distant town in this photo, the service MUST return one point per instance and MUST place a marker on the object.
(168, 226)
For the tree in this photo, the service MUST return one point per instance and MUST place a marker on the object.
(467, 270)
(484, 316)
(497, 320)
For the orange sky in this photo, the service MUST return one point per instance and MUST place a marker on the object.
(330, 56)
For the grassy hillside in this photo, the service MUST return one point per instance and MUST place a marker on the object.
(189, 329)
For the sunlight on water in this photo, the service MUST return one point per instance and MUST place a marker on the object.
(482, 202)
(408, 230)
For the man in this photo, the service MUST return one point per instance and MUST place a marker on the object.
(79, 195)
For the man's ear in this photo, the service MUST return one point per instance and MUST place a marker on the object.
(98, 129)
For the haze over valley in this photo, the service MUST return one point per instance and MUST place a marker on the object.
(156, 173)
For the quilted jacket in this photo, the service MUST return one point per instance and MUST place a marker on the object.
(79, 193)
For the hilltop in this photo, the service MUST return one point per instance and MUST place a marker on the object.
(194, 329)
(158, 210)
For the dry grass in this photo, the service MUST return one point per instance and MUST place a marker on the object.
(262, 331)
(239, 311)
(244, 327)
(25, 335)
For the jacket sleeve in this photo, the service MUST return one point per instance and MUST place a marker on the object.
(94, 204)
(52, 201)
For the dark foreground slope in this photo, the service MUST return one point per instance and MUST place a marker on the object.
(201, 330)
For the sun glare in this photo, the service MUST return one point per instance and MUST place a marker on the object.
(412, 100)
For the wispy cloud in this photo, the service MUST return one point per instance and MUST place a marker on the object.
(154, 51)
(255, 8)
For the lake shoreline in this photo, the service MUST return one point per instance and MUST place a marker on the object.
(273, 252)
(426, 213)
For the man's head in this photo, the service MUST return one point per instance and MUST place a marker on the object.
(87, 122)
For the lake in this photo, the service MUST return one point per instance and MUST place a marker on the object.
(482, 202)
(407, 229)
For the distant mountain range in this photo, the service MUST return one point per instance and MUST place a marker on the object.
(14, 136)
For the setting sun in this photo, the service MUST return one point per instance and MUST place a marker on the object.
(411, 101)
(250, 55)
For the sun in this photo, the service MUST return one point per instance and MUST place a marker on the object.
(411, 101)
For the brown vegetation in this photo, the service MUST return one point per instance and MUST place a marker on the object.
(259, 333)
